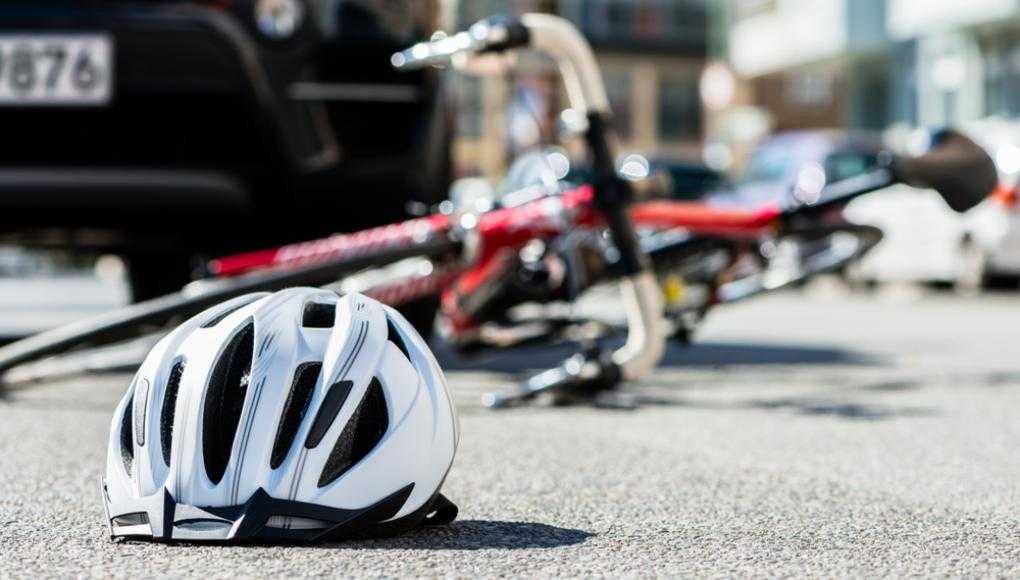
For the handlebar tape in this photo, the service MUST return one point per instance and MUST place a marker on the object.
(956, 167)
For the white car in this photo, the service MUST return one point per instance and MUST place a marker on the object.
(925, 241)
(922, 236)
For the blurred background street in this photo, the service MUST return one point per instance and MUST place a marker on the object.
(736, 102)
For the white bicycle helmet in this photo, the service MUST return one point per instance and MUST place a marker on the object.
(295, 416)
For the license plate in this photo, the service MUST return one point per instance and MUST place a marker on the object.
(56, 69)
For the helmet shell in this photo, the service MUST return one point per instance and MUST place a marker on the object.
(296, 415)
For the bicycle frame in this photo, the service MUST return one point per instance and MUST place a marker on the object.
(486, 237)
(477, 242)
(502, 228)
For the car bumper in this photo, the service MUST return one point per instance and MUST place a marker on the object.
(1004, 258)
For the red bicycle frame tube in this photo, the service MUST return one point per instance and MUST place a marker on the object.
(704, 219)
(503, 230)
(336, 247)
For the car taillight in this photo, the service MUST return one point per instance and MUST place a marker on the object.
(1007, 196)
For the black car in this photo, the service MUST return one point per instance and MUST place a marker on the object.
(688, 180)
(166, 130)
(678, 179)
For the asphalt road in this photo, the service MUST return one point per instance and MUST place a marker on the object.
(805, 435)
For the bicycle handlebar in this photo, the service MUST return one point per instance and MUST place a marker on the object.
(544, 33)
(490, 35)
(559, 39)
(956, 167)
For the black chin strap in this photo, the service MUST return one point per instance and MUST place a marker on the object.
(443, 512)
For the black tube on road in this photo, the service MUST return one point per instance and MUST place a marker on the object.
(612, 195)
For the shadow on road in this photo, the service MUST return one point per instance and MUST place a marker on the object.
(697, 355)
(819, 405)
(478, 535)
(720, 354)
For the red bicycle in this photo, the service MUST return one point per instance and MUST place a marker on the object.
(555, 246)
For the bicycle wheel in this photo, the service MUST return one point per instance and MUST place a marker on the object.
(799, 254)
(688, 268)
(149, 316)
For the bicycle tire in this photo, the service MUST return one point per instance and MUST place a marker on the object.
(149, 315)
(831, 259)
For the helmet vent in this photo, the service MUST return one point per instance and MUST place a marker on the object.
(142, 396)
(395, 338)
(328, 410)
(127, 443)
(317, 315)
(224, 400)
(362, 433)
(167, 412)
(135, 519)
(294, 410)
(296, 523)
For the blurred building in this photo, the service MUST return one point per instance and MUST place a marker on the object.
(873, 63)
(651, 52)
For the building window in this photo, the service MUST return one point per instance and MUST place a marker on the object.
(746, 9)
(618, 88)
(809, 88)
(679, 109)
(649, 22)
(1001, 56)
(467, 93)
(470, 12)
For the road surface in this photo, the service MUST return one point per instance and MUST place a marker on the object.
(804, 435)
